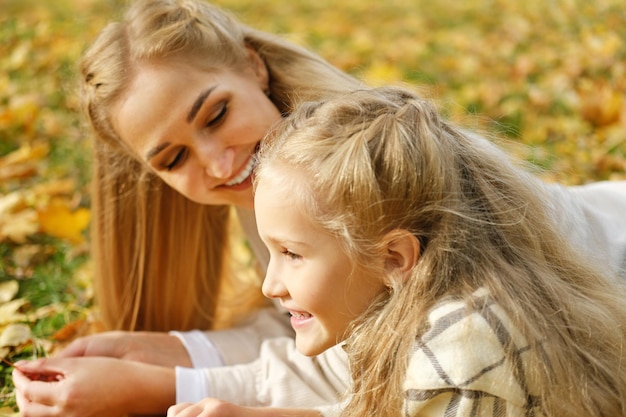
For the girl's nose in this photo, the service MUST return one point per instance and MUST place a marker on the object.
(273, 287)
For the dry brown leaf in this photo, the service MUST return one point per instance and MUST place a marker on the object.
(69, 331)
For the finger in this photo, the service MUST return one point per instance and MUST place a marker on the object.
(35, 365)
(77, 347)
(19, 379)
(25, 403)
(20, 399)
(32, 409)
(43, 366)
(184, 410)
(175, 409)
(34, 391)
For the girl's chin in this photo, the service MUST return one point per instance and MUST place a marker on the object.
(308, 350)
(311, 346)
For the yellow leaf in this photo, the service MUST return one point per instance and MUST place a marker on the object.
(15, 335)
(58, 220)
(19, 226)
(48, 311)
(9, 203)
(24, 254)
(24, 170)
(9, 312)
(23, 110)
(26, 153)
(600, 103)
(55, 187)
(8, 412)
(8, 290)
(4, 352)
(380, 73)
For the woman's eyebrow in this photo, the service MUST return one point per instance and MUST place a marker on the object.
(154, 151)
(198, 103)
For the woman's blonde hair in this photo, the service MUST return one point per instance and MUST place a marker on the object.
(380, 160)
(160, 258)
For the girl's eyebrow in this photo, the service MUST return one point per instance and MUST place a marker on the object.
(279, 240)
(198, 103)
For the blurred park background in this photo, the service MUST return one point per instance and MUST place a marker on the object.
(549, 76)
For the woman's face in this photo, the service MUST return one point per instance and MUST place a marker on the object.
(198, 129)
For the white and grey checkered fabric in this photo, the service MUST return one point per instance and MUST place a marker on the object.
(469, 363)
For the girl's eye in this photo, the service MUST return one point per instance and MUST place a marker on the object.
(178, 158)
(291, 255)
(219, 117)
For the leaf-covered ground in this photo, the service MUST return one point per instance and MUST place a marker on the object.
(549, 76)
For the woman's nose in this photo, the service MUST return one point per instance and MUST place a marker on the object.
(219, 163)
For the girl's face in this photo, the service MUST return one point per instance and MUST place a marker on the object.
(309, 272)
(198, 129)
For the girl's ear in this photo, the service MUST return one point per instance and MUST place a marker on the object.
(259, 68)
(403, 251)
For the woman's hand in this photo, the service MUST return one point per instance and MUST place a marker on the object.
(148, 347)
(92, 387)
(211, 407)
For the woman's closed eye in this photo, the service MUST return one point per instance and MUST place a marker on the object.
(218, 116)
(175, 160)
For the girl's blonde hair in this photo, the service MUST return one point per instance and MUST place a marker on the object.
(160, 258)
(380, 160)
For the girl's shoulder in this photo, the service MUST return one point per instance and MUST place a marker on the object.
(471, 351)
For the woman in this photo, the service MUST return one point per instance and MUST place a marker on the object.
(179, 95)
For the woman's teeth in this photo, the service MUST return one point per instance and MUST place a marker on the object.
(243, 174)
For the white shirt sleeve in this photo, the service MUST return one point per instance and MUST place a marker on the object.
(594, 216)
(279, 377)
(283, 377)
(190, 385)
(201, 350)
(212, 349)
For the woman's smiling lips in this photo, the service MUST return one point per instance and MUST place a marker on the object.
(243, 174)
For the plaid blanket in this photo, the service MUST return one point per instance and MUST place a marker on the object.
(469, 363)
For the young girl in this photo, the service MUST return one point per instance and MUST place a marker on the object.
(442, 266)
